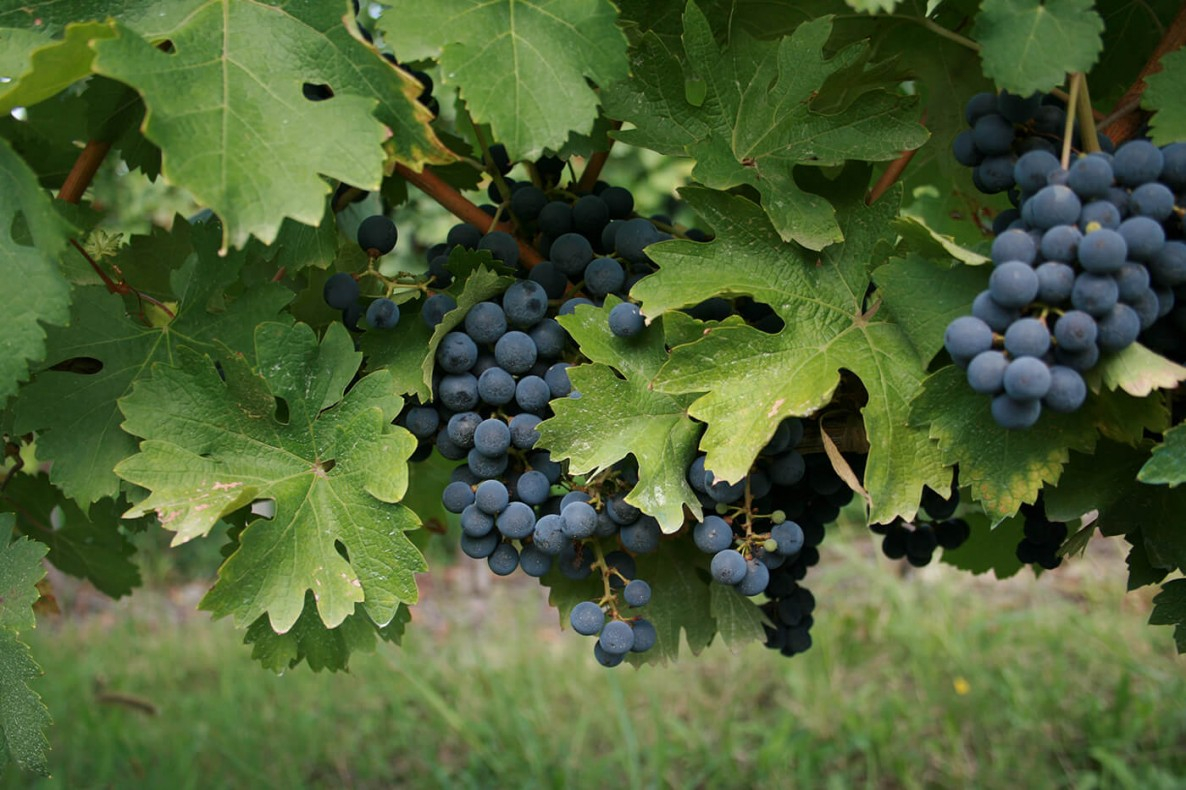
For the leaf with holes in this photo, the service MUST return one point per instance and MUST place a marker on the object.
(227, 107)
(756, 121)
(753, 380)
(521, 67)
(288, 431)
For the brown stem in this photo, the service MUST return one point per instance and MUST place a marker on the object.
(112, 286)
(1125, 126)
(890, 176)
(431, 184)
(596, 162)
(83, 172)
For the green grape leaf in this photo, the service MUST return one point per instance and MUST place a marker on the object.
(320, 647)
(23, 716)
(226, 108)
(754, 380)
(1137, 371)
(287, 431)
(1030, 45)
(521, 67)
(1167, 98)
(921, 239)
(34, 292)
(681, 601)
(51, 65)
(75, 413)
(1141, 571)
(20, 570)
(1086, 484)
(1002, 468)
(738, 619)
(924, 297)
(618, 414)
(1167, 464)
(1169, 608)
(988, 548)
(298, 246)
(757, 121)
(86, 544)
(147, 17)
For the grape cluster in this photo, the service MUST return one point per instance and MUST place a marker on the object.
(377, 236)
(1091, 261)
(1043, 538)
(916, 542)
(1004, 127)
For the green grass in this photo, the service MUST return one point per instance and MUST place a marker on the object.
(1064, 685)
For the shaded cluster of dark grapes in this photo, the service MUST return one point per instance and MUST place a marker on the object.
(1043, 538)
(377, 236)
(1091, 262)
(1004, 127)
(916, 541)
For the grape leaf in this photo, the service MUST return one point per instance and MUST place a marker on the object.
(924, 297)
(226, 108)
(23, 716)
(1002, 468)
(738, 619)
(919, 238)
(51, 65)
(76, 415)
(88, 545)
(681, 600)
(521, 66)
(1087, 485)
(1030, 45)
(20, 570)
(322, 648)
(35, 292)
(288, 432)
(1167, 464)
(1132, 29)
(1138, 371)
(1166, 97)
(149, 18)
(1169, 608)
(988, 548)
(618, 414)
(754, 380)
(757, 122)
(1141, 571)
(873, 6)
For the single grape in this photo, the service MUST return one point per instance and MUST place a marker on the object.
(461, 427)
(557, 380)
(550, 278)
(503, 560)
(528, 202)
(377, 235)
(523, 431)
(1137, 162)
(619, 201)
(1152, 200)
(993, 134)
(1067, 390)
(1014, 414)
(496, 387)
(986, 372)
(1090, 177)
(1018, 109)
(524, 304)
(435, 307)
(457, 496)
(549, 535)
(463, 235)
(605, 658)
(550, 338)
(979, 105)
(1055, 282)
(641, 537)
(1145, 237)
(492, 438)
(1173, 171)
(1094, 294)
(587, 618)
(1032, 169)
(479, 548)
(637, 593)
(1061, 243)
(580, 520)
(625, 320)
(789, 537)
(1099, 214)
(571, 253)
(617, 637)
(1168, 265)
(589, 215)
(1118, 329)
(1131, 281)
(1027, 337)
(1075, 331)
(491, 497)
(712, 534)
(1012, 284)
(728, 566)
(532, 394)
(633, 237)
(1081, 361)
(1051, 205)
(964, 150)
(534, 562)
(457, 353)
(340, 291)
(486, 467)
(757, 576)
(458, 392)
(517, 521)
(994, 174)
(604, 276)
(967, 336)
(502, 247)
(570, 306)
(485, 322)
(515, 352)
(787, 469)
(645, 636)
(1027, 378)
(996, 316)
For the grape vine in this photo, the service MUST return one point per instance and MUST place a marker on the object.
(642, 309)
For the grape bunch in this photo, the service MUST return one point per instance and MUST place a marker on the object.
(1090, 263)
(1042, 538)
(377, 236)
(916, 542)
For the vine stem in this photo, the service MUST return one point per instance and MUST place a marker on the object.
(1123, 123)
(83, 171)
(894, 171)
(595, 164)
(457, 204)
(950, 35)
(1069, 127)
